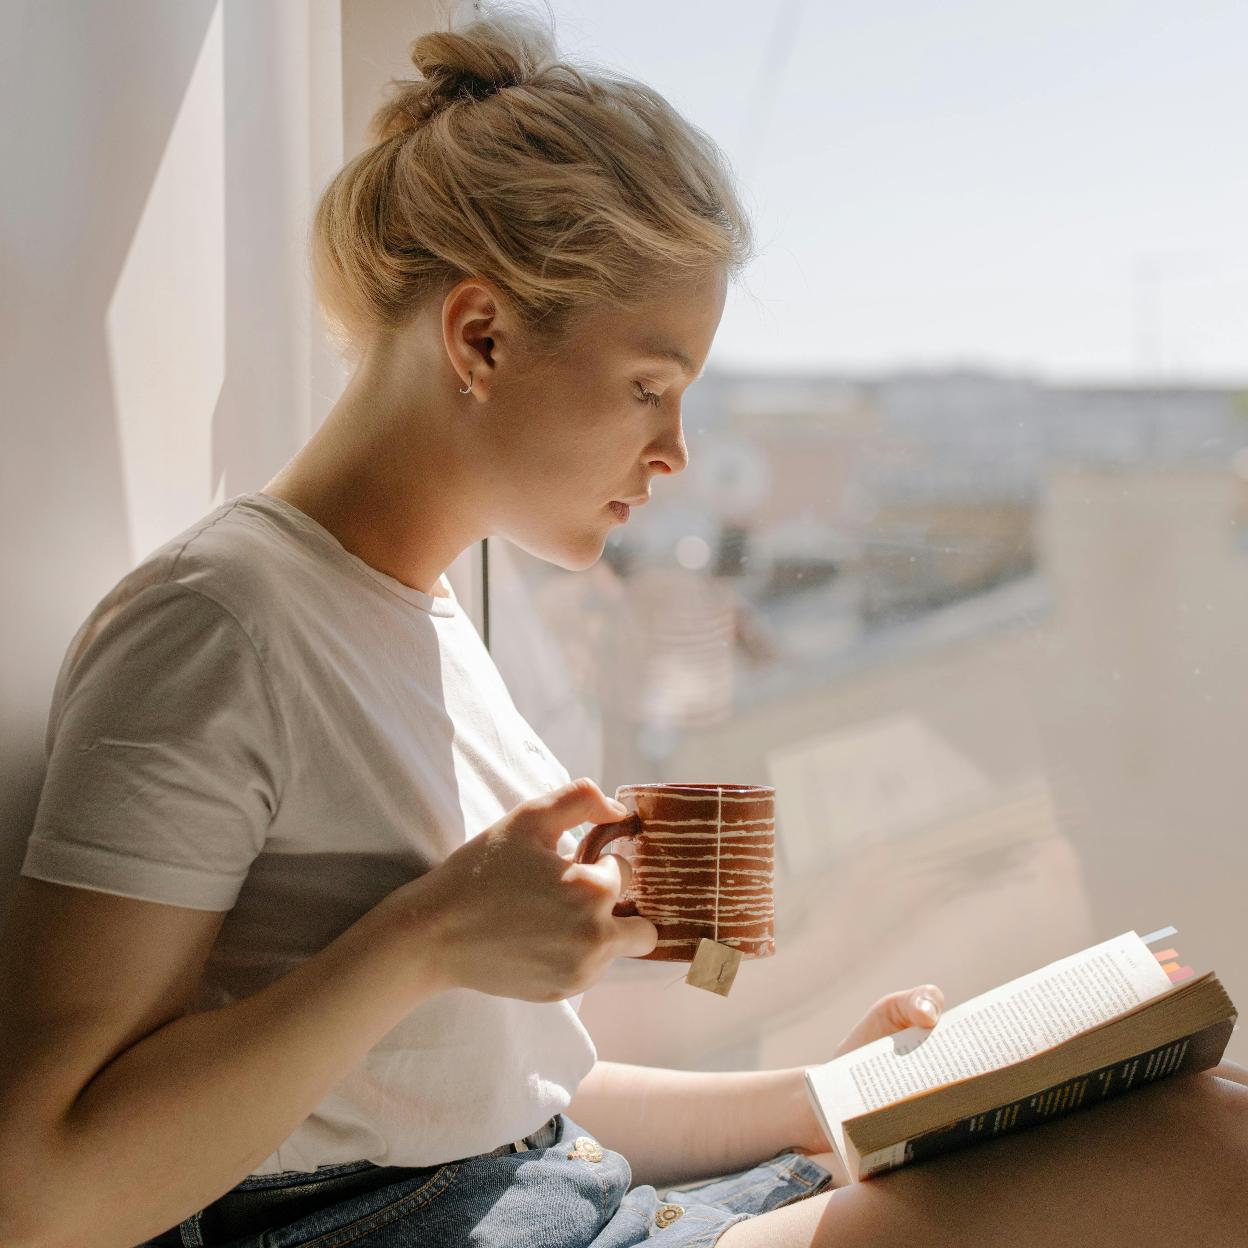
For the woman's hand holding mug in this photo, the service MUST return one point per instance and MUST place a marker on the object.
(512, 917)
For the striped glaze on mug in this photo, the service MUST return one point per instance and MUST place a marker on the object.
(703, 861)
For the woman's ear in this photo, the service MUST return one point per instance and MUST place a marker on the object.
(477, 333)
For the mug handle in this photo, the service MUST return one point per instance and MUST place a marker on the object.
(597, 839)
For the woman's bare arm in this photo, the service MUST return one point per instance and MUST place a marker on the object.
(145, 1114)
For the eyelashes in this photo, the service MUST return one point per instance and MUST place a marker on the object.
(648, 397)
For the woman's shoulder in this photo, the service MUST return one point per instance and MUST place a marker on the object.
(230, 565)
(240, 557)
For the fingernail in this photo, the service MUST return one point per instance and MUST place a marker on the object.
(928, 1006)
(618, 807)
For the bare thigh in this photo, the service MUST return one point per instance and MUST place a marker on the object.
(1231, 1070)
(1165, 1167)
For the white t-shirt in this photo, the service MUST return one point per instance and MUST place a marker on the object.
(256, 720)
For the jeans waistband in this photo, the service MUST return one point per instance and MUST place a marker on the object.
(264, 1201)
(543, 1137)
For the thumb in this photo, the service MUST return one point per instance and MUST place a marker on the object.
(579, 801)
(921, 1006)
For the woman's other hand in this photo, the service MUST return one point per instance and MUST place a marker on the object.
(912, 1007)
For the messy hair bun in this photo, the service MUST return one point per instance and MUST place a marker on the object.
(461, 68)
(566, 187)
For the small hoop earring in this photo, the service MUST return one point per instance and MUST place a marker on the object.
(468, 388)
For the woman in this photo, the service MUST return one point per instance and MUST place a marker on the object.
(267, 979)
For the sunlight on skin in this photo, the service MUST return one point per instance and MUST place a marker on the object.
(1164, 1167)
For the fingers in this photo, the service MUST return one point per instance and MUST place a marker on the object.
(612, 872)
(895, 1012)
(635, 935)
(922, 1006)
(579, 801)
(639, 936)
(912, 1007)
(623, 873)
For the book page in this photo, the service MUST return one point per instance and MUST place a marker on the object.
(1007, 1024)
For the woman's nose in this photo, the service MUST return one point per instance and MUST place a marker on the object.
(673, 455)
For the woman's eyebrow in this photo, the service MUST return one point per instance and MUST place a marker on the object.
(659, 350)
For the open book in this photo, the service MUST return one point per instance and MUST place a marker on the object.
(1103, 1021)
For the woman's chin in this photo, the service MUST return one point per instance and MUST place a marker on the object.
(569, 555)
(582, 559)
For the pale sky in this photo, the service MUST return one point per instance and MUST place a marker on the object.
(1056, 187)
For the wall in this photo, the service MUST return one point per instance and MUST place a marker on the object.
(160, 350)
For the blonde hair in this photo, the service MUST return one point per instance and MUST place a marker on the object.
(565, 188)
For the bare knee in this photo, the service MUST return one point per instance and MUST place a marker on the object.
(1232, 1071)
(1217, 1108)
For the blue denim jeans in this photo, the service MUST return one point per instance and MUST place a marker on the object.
(564, 1191)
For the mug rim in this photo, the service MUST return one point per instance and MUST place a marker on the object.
(695, 786)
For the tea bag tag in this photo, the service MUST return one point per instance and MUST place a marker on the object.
(714, 967)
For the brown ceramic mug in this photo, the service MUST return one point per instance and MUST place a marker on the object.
(703, 862)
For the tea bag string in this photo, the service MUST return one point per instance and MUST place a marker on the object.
(719, 836)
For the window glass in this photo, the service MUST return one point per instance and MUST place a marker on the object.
(960, 562)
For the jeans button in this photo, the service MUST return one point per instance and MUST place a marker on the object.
(667, 1214)
(586, 1149)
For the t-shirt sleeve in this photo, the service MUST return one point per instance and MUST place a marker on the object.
(166, 755)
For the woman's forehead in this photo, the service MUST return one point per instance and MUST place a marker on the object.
(676, 327)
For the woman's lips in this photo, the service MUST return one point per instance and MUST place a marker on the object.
(620, 509)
